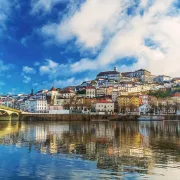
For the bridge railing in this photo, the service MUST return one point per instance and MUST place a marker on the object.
(10, 109)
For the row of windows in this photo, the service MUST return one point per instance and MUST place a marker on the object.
(105, 106)
(41, 108)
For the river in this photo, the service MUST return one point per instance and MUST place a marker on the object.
(89, 150)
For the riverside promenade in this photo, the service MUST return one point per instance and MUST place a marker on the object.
(87, 117)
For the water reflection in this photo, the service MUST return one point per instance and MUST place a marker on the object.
(116, 149)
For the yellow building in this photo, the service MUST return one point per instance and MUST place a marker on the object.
(128, 103)
(135, 101)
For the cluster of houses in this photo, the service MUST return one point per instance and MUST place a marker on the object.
(111, 92)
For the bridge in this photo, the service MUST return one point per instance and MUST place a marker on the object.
(7, 113)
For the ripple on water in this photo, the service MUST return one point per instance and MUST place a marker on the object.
(84, 150)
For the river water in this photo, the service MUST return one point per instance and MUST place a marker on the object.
(89, 150)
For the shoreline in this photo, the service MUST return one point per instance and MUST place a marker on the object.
(87, 117)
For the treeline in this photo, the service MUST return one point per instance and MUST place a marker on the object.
(164, 94)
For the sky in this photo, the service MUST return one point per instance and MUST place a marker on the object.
(65, 42)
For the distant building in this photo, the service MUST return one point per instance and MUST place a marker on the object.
(67, 93)
(163, 78)
(176, 80)
(104, 91)
(148, 78)
(110, 75)
(40, 95)
(90, 92)
(137, 74)
(176, 97)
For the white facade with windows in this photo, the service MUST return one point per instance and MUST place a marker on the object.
(37, 106)
(104, 107)
(163, 78)
(144, 109)
(90, 92)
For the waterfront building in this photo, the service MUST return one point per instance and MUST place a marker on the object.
(37, 106)
(128, 103)
(57, 109)
(104, 106)
(144, 109)
(144, 99)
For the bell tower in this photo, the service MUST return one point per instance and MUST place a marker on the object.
(115, 68)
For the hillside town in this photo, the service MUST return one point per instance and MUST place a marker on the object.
(111, 92)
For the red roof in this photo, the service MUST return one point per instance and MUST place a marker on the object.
(68, 90)
(90, 87)
(176, 95)
(104, 101)
(53, 89)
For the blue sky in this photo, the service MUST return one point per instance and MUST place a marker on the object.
(64, 42)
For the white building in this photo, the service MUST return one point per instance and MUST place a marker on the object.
(110, 75)
(144, 99)
(144, 109)
(103, 106)
(37, 106)
(57, 109)
(67, 93)
(41, 95)
(90, 92)
(163, 78)
(115, 94)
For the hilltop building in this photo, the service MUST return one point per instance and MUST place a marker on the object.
(109, 75)
(137, 74)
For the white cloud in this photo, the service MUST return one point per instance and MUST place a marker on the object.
(28, 70)
(36, 63)
(67, 82)
(12, 92)
(5, 9)
(43, 5)
(4, 68)
(35, 84)
(27, 79)
(90, 25)
(53, 69)
(124, 35)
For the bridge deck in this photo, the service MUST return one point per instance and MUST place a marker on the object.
(10, 109)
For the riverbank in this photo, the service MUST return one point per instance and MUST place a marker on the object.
(87, 117)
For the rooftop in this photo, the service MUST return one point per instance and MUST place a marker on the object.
(53, 89)
(176, 94)
(108, 73)
(90, 87)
